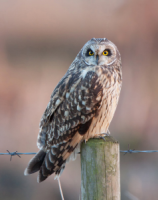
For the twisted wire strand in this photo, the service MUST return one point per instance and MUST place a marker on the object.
(16, 153)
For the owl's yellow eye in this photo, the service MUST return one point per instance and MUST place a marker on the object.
(105, 52)
(90, 53)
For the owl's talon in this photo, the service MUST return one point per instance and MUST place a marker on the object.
(101, 137)
(106, 134)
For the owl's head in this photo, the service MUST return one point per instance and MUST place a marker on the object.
(99, 51)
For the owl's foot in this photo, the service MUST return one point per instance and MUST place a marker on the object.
(107, 134)
(100, 136)
(103, 135)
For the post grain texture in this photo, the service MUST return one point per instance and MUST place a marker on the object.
(100, 169)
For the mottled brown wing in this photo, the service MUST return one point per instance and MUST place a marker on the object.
(63, 128)
(74, 102)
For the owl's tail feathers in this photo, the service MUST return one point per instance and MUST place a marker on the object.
(58, 156)
(35, 163)
(54, 160)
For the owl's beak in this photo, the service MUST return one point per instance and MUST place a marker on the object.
(97, 58)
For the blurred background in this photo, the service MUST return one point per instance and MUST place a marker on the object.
(38, 41)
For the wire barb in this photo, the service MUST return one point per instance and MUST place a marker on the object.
(13, 154)
(129, 150)
(16, 153)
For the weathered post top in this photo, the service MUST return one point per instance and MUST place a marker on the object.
(100, 169)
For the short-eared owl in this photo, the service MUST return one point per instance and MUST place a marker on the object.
(81, 107)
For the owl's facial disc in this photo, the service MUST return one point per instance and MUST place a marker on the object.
(100, 54)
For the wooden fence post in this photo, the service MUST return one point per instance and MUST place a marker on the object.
(100, 169)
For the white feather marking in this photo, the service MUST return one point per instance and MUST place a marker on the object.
(83, 117)
(82, 87)
(72, 89)
(84, 72)
(50, 157)
(78, 108)
(108, 85)
(83, 103)
(80, 97)
(46, 164)
(67, 95)
(61, 133)
(87, 108)
(52, 151)
(75, 101)
(112, 62)
(98, 98)
(57, 102)
(63, 128)
(74, 123)
(66, 113)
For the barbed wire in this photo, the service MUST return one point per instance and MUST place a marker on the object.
(137, 151)
(16, 153)
(130, 151)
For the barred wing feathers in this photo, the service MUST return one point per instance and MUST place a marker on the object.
(73, 105)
